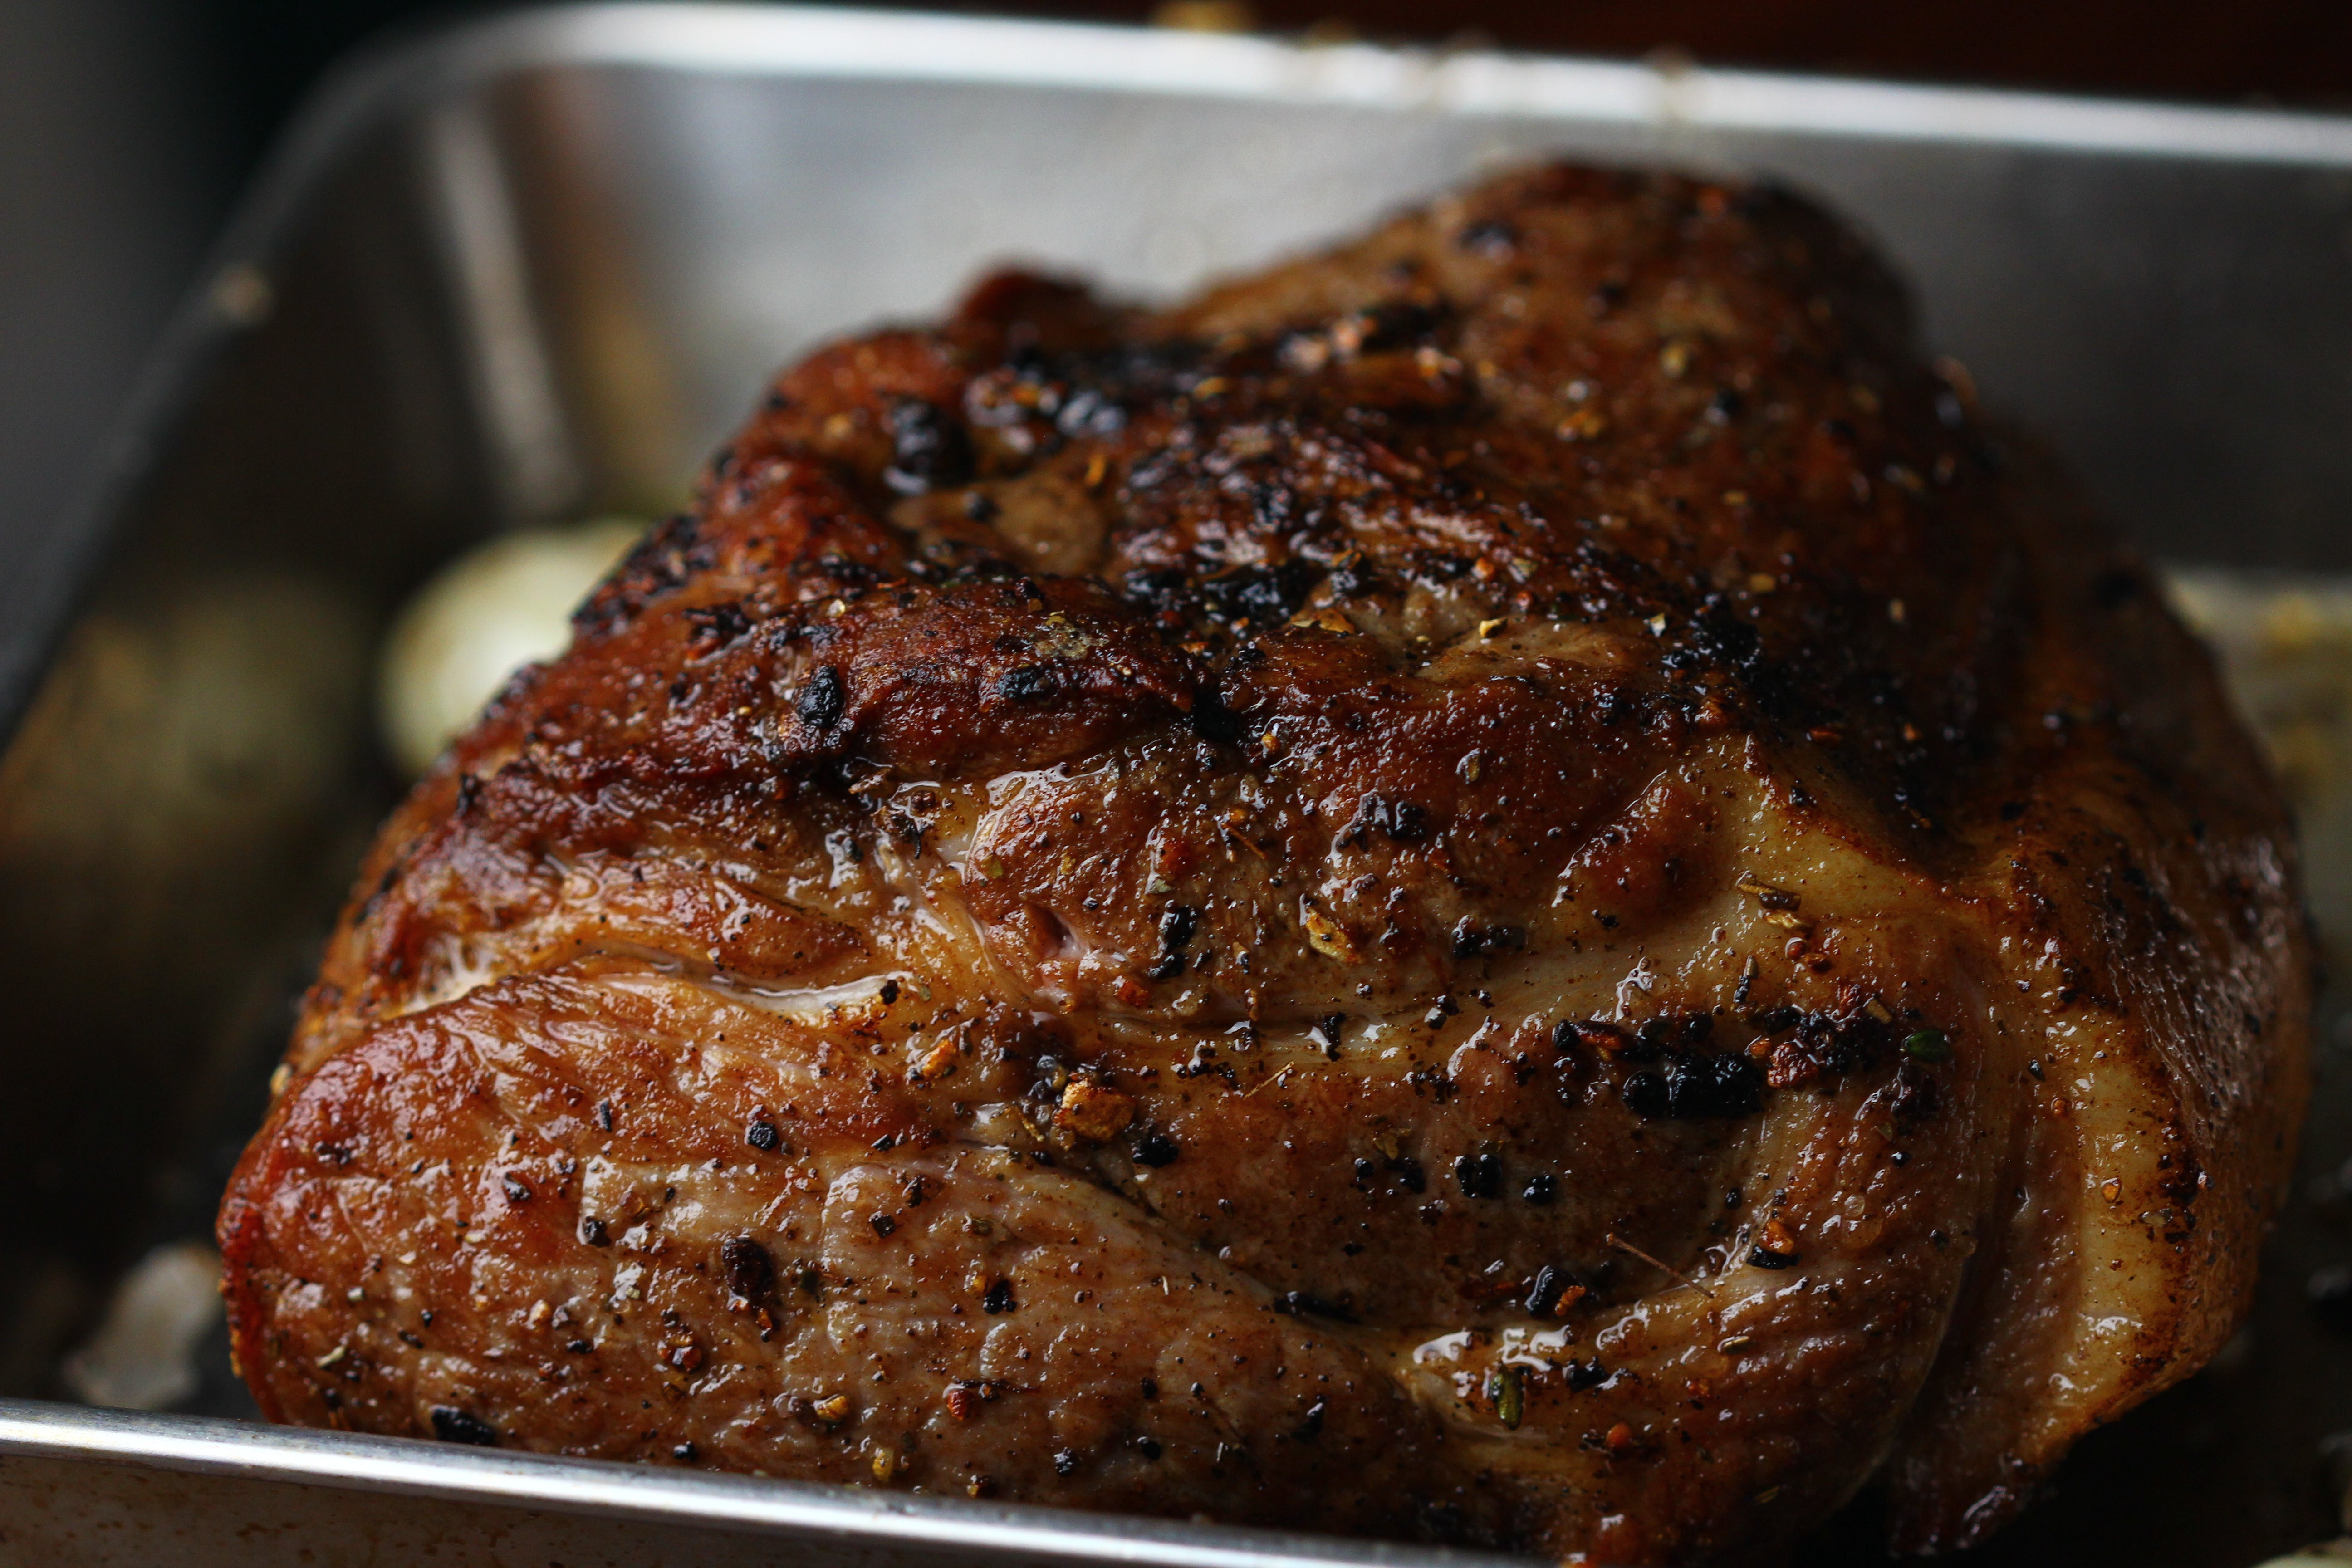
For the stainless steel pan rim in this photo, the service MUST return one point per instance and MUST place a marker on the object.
(818, 42)
(978, 1531)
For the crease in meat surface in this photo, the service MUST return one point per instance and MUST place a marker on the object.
(1512, 885)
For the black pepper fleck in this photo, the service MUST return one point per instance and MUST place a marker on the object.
(750, 1271)
(1156, 1149)
(822, 700)
(452, 1424)
(1479, 1175)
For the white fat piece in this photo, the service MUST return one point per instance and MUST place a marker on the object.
(142, 1356)
(499, 606)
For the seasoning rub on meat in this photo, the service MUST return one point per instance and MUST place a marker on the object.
(1513, 884)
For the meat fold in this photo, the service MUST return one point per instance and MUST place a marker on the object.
(1514, 884)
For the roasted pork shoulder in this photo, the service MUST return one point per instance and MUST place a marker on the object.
(1513, 884)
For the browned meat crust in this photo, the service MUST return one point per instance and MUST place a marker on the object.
(1508, 884)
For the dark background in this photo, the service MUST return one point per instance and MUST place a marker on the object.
(127, 127)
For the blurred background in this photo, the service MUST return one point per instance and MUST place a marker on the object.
(127, 127)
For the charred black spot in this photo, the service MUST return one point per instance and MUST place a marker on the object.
(1831, 1043)
(1719, 639)
(1301, 1304)
(1644, 1094)
(1492, 238)
(1589, 1033)
(1401, 820)
(1653, 1037)
(1259, 595)
(1471, 938)
(715, 625)
(1212, 721)
(823, 699)
(1541, 1189)
(999, 1299)
(1177, 924)
(1584, 1375)
(1393, 325)
(1479, 1175)
(750, 1272)
(592, 1232)
(516, 1190)
(1156, 1149)
(668, 557)
(452, 1424)
(1030, 683)
(1695, 1084)
(1917, 1097)
(760, 1134)
(929, 450)
(1729, 1085)
(1088, 412)
(1167, 588)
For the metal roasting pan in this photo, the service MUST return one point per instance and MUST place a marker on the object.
(533, 267)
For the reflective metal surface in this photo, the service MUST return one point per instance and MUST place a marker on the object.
(534, 268)
(681, 1516)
